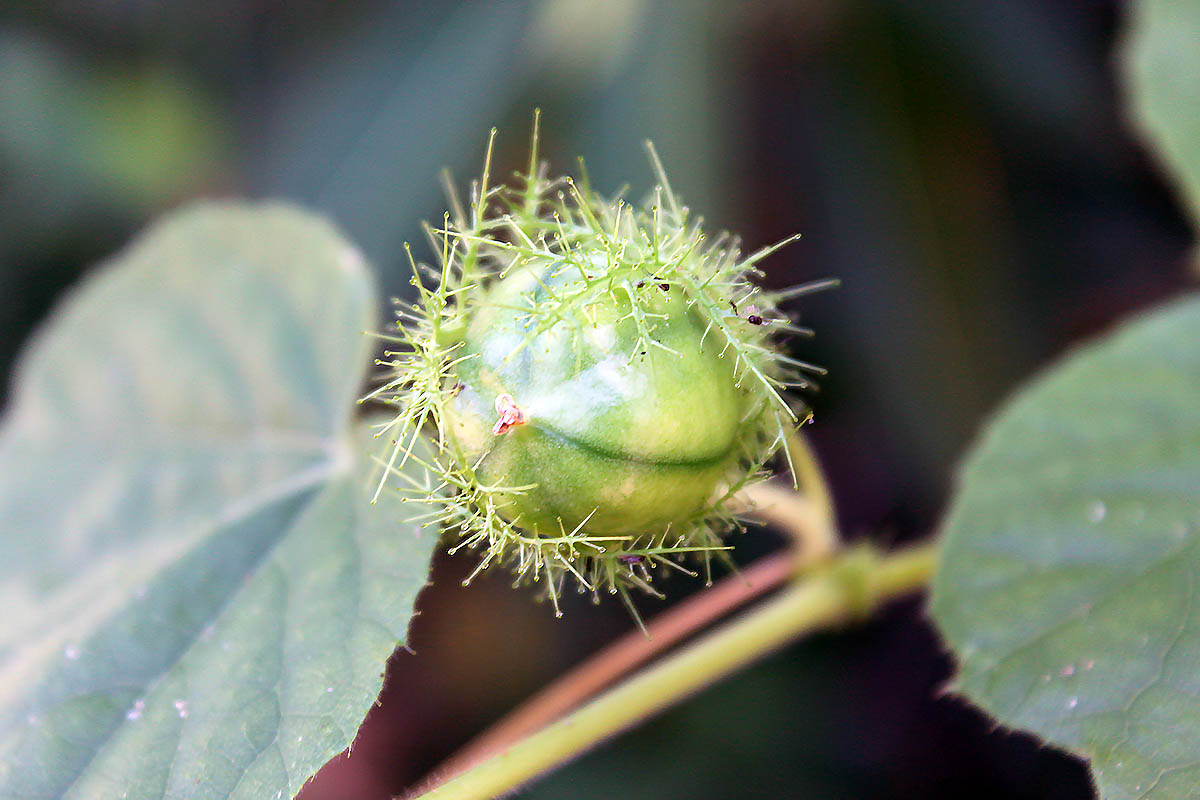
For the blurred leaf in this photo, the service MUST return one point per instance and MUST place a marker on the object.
(132, 135)
(671, 80)
(612, 30)
(1068, 585)
(198, 599)
(1162, 65)
(363, 132)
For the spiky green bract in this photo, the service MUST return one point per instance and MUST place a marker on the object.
(638, 362)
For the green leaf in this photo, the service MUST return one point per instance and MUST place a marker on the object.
(1162, 73)
(198, 599)
(1070, 582)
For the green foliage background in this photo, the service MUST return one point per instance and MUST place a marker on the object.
(966, 168)
(1067, 588)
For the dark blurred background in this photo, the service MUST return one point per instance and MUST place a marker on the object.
(962, 165)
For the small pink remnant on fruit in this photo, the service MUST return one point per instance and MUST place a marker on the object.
(510, 415)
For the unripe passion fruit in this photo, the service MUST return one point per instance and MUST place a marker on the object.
(598, 381)
(630, 443)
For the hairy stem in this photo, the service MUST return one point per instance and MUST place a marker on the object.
(850, 585)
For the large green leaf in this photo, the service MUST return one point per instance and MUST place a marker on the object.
(1162, 70)
(1070, 583)
(198, 600)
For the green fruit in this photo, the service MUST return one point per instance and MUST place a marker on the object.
(632, 441)
(597, 382)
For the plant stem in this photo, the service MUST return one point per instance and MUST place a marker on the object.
(622, 657)
(812, 537)
(809, 478)
(807, 518)
(852, 584)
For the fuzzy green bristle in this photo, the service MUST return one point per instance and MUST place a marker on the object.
(590, 263)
